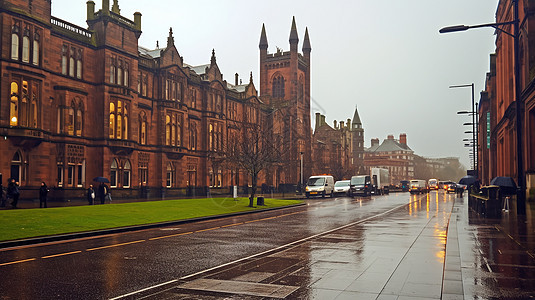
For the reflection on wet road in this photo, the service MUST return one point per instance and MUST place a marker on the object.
(339, 248)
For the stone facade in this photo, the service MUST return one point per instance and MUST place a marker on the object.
(77, 103)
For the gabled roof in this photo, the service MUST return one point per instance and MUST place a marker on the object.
(389, 145)
(199, 70)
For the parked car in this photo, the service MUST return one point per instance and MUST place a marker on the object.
(342, 187)
(320, 185)
(360, 185)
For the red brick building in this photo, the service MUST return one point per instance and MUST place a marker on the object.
(497, 118)
(78, 103)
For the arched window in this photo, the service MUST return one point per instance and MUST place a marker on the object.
(112, 120)
(211, 137)
(35, 58)
(79, 121)
(119, 119)
(120, 73)
(64, 52)
(33, 108)
(167, 130)
(193, 137)
(173, 131)
(125, 122)
(127, 171)
(26, 46)
(278, 87)
(71, 62)
(70, 121)
(113, 173)
(169, 175)
(126, 80)
(15, 42)
(16, 167)
(79, 64)
(142, 128)
(14, 107)
(23, 116)
(179, 131)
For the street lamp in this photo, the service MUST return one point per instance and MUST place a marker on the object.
(521, 197)
(473, 113)
(301, 154)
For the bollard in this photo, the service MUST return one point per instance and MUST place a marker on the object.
(260, 201)
(494, 202)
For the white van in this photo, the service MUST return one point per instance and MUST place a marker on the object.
(320, 185)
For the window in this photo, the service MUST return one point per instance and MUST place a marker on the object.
(143, 173)
(15, 31)
(79, 64)
(167, 130)
(71, 61)
(211, 137)
(70, 175)
(112, 121)
(139, 83)
(24, 103)
(36, 40)
(113, 173)
(26, 46)
(278, 87)
(75, 118)
(60, 174)
(16, 167)
(142, 128)
(64, 51)
(126, 174)
(70, 121)
(169, 175)
(80, 175)
(145, 86)
(192, 136)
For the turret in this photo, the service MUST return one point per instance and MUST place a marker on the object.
(306, 44)
(294, 38)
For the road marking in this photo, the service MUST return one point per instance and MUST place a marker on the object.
(61, 254)
(145, 289)
(230, 225)
(116, 245)
(168, 236)
(17, 262)
(202, 230)
(267, 251)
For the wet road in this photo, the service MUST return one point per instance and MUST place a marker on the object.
(381, 247)
(108, 266)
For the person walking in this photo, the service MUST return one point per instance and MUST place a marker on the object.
(102, 192)
(91, 195)
(13, 192)
(2, 196)
(43, 192)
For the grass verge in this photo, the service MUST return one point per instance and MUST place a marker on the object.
(28, 223)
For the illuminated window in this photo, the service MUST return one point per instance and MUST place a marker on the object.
(14, 107)
(169, 175)
(167, 130)
(112, 121)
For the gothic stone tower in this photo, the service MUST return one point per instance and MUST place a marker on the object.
(357, 143)
(285, 86)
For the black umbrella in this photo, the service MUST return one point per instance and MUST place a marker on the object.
(507, 184)
(468, 180)
(101, 179)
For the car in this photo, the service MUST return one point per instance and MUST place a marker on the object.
(452, 188)
(342, 187)
(447, 184)
(433, 184)
(360, 184)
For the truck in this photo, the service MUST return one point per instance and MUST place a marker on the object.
(418, 186)
(380, 181)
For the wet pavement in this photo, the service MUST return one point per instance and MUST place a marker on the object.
(385, 247)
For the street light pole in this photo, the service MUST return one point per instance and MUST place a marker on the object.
(474, 141)
(521, 197)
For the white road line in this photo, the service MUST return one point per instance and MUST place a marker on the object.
(265, 252)
(145, 289)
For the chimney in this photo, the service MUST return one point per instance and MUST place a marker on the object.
(137, 20)
(90, 10)
(323, 120)
(318, 120)
(390, 137)
(342, 125)
(106, 7)
(375, 142)
(403, 138)
(236, 76)
(335, 124)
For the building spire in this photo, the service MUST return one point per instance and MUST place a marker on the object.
(294, 38)
(306, 42)
(170, 39)
(263, 39)
(115, 7)
(356, 118)
(251, 78)
(212, 60)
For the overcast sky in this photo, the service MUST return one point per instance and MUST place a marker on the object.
(384, 56)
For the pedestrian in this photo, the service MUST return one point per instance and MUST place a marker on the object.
(13, 192)
(91, 195)
(2, 196)
(43, 192)
(102, 192)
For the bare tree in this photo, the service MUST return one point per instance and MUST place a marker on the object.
(254, 150)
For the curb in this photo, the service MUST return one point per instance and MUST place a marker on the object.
(69, 236)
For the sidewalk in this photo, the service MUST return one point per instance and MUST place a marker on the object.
(490, 258)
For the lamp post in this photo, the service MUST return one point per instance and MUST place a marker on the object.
(301, 154)
(474, 141)
(521, 197)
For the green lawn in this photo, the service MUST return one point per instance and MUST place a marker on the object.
(27, 223)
